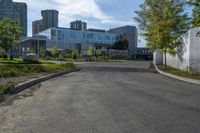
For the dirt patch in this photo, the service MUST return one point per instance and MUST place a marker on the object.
(18, 80)
(8, 100)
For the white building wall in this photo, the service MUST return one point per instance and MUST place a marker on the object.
(188, 54)
(195, 50)
(158, 57)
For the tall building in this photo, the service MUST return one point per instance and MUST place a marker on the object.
(129, 33)
(78, 25)
(16, 11)
(49, 19)
(37, 26)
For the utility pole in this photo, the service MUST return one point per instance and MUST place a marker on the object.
(38, 41)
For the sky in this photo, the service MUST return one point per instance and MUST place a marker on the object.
(103, 14)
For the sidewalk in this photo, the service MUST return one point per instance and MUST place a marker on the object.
(189, 80)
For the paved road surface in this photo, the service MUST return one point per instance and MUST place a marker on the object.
(105, 102)
(130, 64)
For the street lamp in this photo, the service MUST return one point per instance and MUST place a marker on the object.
(38, 41)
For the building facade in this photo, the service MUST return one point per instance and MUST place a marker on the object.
(16, 11)
(37, 26)
(81, 38)
(49, 19)
(129, 33)
(64, 38)
(78, 25)
(68, 39)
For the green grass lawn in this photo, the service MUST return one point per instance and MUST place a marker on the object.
(14, 61)
(8, 70)
(180, 73)
(20, 61)
(18, 67)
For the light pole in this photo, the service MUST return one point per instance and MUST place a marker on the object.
(38, 41)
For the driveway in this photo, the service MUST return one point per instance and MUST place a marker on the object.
(104, 102)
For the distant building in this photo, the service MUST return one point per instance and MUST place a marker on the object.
(49, 19)
(65, 38)
(37, 26)
(16, 11)
(82, 39)
(78, 25)
(129, 33)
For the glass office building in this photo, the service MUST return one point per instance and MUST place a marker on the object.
(68, 39)
(64, 38)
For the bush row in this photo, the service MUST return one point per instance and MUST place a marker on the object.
(8, 70)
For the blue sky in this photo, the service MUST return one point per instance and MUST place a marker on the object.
(103, 14)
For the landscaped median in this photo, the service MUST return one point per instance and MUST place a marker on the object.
(17, 71)
(178, 74)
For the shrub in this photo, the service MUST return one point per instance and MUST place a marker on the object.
(5, 89)
(8, 73)
(7, 70)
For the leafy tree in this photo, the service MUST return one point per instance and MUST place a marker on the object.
(90, 51)
(98, 53)
(42, 52)
(122, 44)
(75, 53)
(162, 22)
(10, 33)
(195, 13)
(2, 52)
(54, 51)
(32, 51)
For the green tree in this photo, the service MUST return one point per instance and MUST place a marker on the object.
(32, 51)
(10, 33)
(195, 13)
(75, 53)
(162, 22)
(42, 52)
(98, 54)
(54, 51)
(90, 53)
(122, 44)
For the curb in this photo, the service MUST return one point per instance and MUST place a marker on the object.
(27, 84)
(193, 81)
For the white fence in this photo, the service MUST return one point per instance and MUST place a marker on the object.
(188, 53)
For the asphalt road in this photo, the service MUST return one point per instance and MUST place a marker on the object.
(105, 102)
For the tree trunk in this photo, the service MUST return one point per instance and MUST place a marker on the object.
(10, 53)
(7, 54)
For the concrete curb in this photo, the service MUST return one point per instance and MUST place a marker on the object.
(193, 81)
(25, 85)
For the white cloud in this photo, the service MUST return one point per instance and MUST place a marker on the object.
(70, 10)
